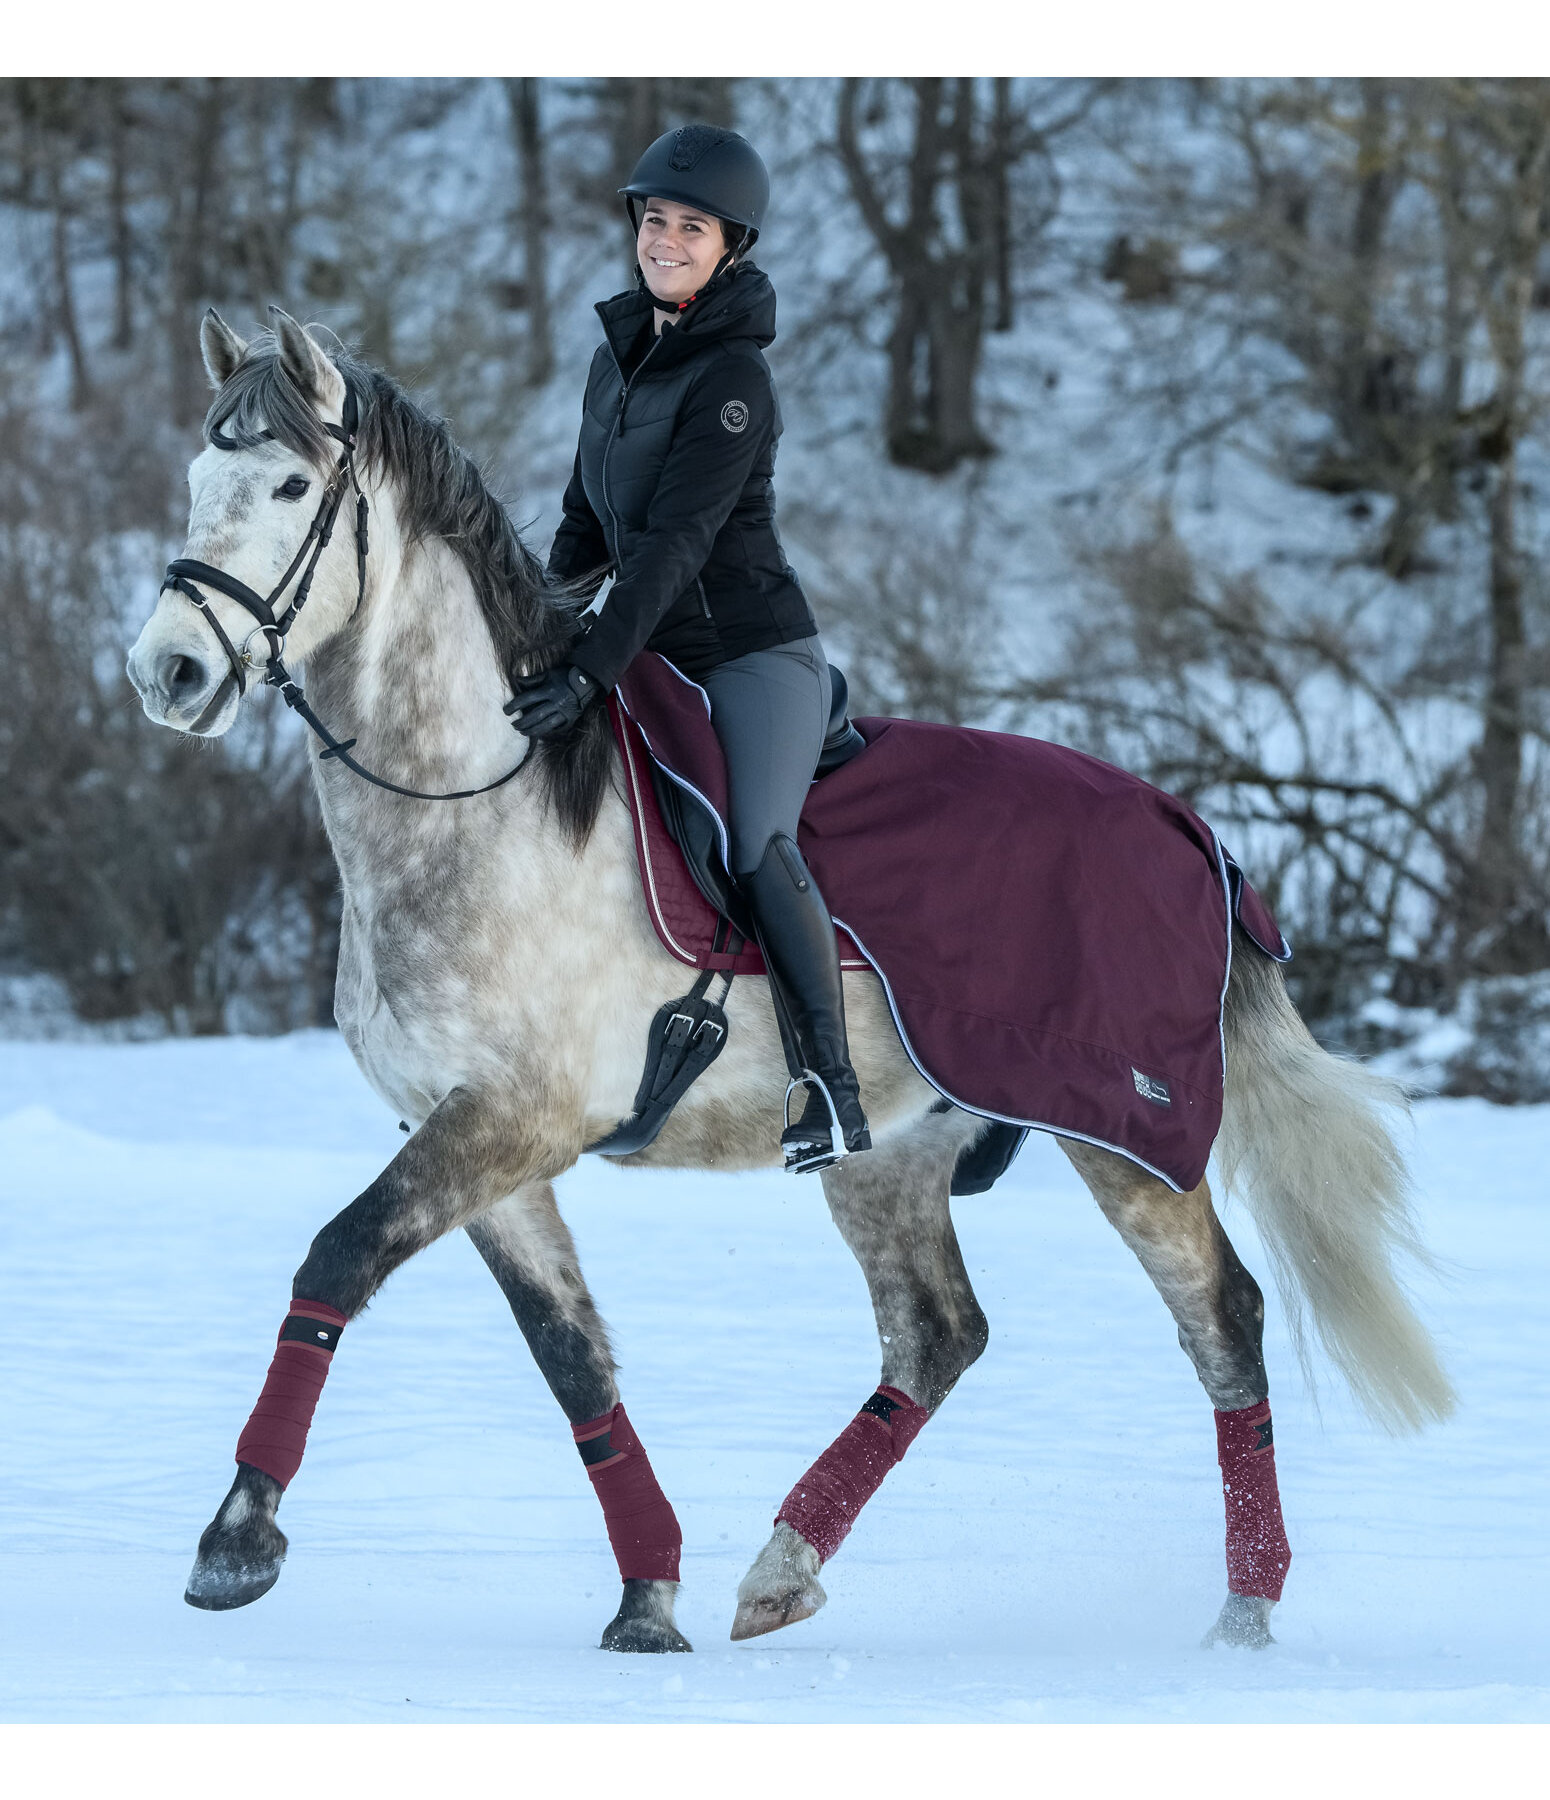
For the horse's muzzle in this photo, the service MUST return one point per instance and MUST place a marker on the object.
(179, 688)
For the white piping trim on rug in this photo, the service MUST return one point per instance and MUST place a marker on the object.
(639, 824)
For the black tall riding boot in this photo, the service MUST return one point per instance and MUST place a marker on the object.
(796, 937)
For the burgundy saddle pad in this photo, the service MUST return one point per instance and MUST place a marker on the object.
(1051, 932)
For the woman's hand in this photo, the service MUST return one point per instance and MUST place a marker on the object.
(545, 704)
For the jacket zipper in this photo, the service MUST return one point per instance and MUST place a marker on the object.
(704, 603)
(624, 396)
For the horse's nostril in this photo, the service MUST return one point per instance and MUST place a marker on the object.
(185, 675)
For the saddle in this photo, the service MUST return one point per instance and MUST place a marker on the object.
(695, 828)
(1053, 935)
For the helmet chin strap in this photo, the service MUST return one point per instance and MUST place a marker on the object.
(720, 269)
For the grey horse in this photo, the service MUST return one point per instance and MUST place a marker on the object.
(498, 973)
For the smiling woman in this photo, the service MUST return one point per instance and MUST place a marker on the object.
(673, 492)
(680, 250)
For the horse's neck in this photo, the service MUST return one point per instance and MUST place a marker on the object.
(417, 683)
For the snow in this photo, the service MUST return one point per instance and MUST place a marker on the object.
(1050, 1550)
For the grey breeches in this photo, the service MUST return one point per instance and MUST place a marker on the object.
(770, 711)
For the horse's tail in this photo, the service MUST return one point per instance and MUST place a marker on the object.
(1304, 1136)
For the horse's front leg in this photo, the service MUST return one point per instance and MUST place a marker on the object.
(529, 1251)
(469, 1153)
(892, 1207)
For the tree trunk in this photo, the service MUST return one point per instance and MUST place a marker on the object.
(1505, 933)
(957, 339)
(118, 204)
(64, 289)
(999, 222)
(1501, 743)
(523, 96)
(188, 249)
(905, 426)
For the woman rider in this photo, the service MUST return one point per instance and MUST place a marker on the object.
(672, 490)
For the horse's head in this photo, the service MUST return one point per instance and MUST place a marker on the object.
(274, 457)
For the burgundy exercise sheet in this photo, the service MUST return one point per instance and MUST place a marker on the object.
(1051, 932)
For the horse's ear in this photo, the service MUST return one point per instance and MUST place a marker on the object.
(221, 346)
(303, 359)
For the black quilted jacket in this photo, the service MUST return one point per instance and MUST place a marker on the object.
(672, 486)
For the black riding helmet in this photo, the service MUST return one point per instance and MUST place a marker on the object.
(708, 167)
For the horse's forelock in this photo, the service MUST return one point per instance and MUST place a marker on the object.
(260, 396)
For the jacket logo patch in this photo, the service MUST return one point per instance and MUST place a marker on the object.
(734, 415)
(1150, 1088)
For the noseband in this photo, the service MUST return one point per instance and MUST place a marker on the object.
(186, 570)
(273, 628)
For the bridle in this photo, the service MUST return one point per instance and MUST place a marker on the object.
(273, 628)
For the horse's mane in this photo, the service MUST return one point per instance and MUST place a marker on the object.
(441, 494)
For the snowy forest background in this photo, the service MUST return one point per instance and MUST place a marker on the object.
(1201, 425)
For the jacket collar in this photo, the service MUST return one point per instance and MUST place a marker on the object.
(740, 304)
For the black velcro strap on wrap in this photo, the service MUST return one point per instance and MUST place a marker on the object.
(881, 1407)
(316, 1332)
(597, 1449)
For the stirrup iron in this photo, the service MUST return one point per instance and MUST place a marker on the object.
(799, 1157)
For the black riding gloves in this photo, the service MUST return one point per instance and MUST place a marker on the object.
(551, 702)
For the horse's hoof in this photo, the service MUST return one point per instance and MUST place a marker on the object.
(644, 1622)
(1244, 1623)
(242, 1548)
(780, 1589)
(216, 1586)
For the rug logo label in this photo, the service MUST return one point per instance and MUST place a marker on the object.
(1149, 1088)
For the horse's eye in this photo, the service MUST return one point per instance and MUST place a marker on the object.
(292, 488)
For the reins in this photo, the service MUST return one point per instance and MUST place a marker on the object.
(184, 571)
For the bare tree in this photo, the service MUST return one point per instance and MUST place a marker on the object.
(49, 127)
(935, 193)
(192, 170)
(1508, 135)
(1386, 238)
(1287, 733)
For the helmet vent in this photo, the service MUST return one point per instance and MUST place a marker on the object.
(690, 142)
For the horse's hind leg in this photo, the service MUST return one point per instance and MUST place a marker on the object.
(529, 1251)
(892, 1207)
(1220, 1314)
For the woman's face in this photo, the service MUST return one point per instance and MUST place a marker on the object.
(678, 248)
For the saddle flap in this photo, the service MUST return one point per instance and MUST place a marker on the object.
(696, 831)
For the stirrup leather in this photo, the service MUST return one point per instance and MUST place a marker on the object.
(805, 1153)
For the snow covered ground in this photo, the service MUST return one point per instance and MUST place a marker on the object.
(1050, 1550)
